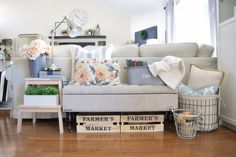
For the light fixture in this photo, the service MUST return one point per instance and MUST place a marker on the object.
(73, 30)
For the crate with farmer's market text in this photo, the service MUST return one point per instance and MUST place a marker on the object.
(142, 123)
(98, 123)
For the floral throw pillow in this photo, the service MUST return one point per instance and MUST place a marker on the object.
(94, 72)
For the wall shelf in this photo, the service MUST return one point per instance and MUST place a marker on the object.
(80, 40)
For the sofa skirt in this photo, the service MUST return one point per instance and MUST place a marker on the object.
(119, 103)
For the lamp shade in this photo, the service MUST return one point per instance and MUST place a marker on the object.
(73, 29)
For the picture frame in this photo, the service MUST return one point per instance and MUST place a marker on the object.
(61, 28)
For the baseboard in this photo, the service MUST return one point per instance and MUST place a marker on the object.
(228, 122)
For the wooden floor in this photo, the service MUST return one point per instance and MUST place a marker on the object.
(44, 140)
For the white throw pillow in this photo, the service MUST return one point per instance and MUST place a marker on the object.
(200, 78)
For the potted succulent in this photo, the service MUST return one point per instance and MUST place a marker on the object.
(42, 96)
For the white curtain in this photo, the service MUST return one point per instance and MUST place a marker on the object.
(169, 10)
(194, 21)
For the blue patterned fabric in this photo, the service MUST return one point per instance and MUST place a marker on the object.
(206, 91)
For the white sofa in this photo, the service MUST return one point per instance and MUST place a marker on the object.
(120, 98)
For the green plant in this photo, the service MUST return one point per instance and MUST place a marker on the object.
(144, 35)
(41, 90)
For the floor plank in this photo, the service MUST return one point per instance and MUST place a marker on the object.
(44, 140)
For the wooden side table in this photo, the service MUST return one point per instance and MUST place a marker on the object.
(34, 110)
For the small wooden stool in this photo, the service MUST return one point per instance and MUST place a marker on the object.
(34, 110)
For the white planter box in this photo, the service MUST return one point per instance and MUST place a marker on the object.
(41, 100)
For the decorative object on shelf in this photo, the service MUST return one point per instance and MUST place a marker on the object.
(61, 30)
(73, 29)
(79, 16)
(36, 52)
(90, 32)
(97, 30)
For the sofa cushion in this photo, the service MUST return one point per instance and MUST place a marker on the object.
(205, 50)
(162, 50)
(130, 50)
(118, 89)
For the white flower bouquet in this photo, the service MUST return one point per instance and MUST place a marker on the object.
(36, 48)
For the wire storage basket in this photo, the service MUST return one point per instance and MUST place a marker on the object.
(207, 106)
(186, 123)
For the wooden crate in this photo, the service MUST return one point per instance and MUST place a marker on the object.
(142, 123)
(98, 123)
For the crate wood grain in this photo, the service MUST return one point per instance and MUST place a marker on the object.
(97, 119)
(98, 128)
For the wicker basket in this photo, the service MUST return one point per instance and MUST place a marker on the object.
(207, 106)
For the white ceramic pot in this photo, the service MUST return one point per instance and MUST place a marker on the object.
(41, 100)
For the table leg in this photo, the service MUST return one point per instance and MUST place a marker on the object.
(60, 121)
(34, 117)
(19, 121)
(69, 122)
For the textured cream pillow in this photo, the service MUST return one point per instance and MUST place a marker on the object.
(199, 77)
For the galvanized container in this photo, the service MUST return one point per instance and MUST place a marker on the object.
(140, 75)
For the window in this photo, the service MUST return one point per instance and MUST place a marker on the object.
(192, 22)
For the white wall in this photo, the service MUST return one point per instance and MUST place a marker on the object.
(27, 16)
(149, 19)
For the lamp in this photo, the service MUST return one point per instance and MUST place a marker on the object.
(73, 30)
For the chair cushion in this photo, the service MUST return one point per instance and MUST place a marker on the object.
(118, 89)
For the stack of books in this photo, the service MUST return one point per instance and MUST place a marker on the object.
(51, 74)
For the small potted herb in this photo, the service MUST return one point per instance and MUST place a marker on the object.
(41, 96)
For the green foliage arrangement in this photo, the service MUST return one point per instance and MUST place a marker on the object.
(42, 90)
(144, 35)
